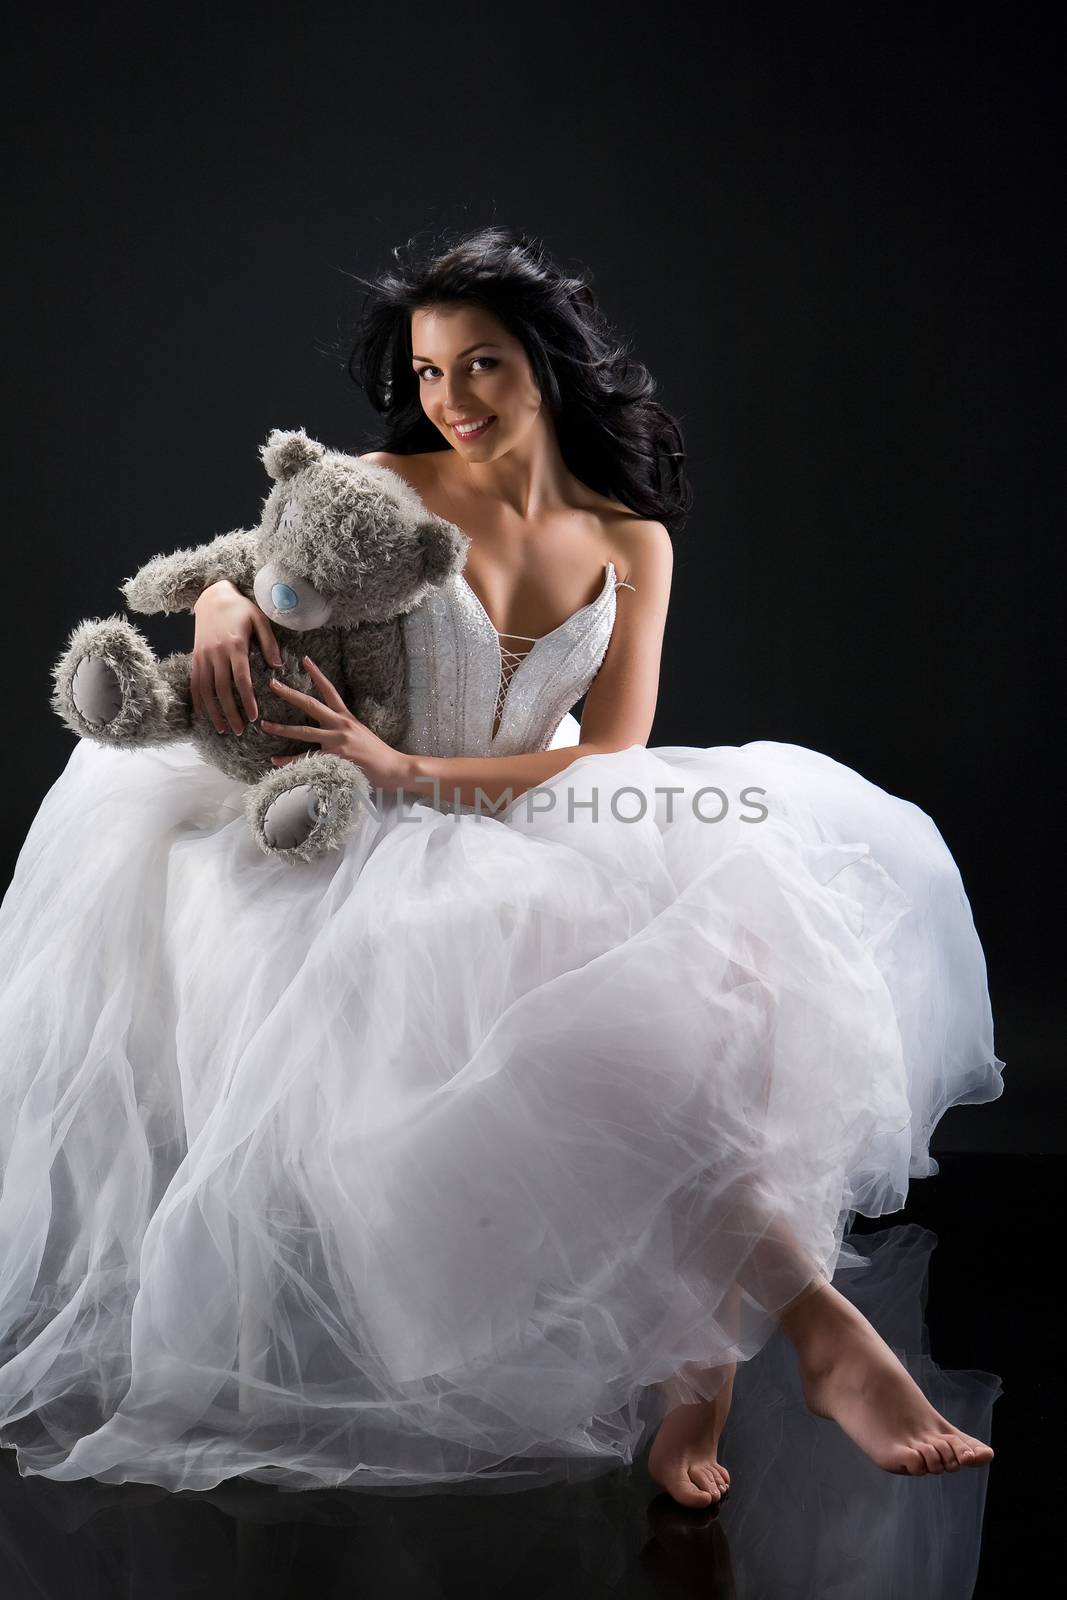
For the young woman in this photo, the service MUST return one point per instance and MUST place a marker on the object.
(509, 1128)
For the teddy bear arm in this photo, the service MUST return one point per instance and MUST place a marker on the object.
(176, 581)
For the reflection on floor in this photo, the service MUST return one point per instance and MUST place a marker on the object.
(947, 1282)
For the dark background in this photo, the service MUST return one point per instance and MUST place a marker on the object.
(830, 234)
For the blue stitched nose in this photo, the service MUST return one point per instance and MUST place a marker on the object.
(282, 597)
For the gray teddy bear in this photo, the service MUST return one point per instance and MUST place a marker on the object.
(344, 549)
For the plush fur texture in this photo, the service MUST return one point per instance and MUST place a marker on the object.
(343, 550)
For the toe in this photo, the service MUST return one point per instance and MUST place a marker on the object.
(944, 1448)
(687, 1493)
(929, 1454)
(704, 1478)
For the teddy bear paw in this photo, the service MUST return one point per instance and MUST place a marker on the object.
(289, 820)
(108, 686)
(96, 690)
(303, 818)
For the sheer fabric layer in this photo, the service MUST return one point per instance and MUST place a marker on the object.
(430, 1161)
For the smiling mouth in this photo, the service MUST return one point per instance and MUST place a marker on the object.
(467, 431)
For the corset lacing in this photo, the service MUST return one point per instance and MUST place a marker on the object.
(509, 660)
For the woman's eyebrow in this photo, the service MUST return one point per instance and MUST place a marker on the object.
(483, 344)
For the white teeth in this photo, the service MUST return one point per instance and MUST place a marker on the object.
(471, 427)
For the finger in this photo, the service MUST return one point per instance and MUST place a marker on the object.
(242, 677)
(194, 691)
(224, 693)
(205, 697)
(289, 730)
(329, 693)
(305, 702)
(267, 642)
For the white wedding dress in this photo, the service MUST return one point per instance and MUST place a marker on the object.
(426, 1162)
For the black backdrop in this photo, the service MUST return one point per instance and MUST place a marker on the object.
(829, 232)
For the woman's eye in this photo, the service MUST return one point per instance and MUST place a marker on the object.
(422, 371)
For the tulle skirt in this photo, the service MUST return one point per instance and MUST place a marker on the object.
(431, 1162)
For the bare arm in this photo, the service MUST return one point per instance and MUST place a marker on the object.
(619, 707)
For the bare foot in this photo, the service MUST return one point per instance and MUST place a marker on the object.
(684, 1455)
(850, 1375)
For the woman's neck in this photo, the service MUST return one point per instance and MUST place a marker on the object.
(530, 481)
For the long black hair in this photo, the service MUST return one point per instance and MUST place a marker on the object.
(614, 437)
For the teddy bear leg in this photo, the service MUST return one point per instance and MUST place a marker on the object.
(301, 811)
(108, 686)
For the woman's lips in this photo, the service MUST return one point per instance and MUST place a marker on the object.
(475, 433)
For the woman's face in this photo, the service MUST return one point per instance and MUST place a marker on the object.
(469, 367)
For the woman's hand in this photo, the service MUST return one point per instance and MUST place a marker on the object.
(225, 622)
(339, 733)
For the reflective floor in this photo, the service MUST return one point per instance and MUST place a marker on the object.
(807, 1515)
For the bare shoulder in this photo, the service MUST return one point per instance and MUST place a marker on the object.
(413, 469)
(643, 549)
(632, 540)
(385, 458)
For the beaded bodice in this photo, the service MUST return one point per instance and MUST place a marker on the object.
(471, 695)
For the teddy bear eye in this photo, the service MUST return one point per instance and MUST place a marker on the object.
(286, 594)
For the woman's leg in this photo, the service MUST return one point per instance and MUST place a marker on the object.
(849, 1374)
(684, 1458)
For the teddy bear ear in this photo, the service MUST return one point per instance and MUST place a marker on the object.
(286, 453)
(444, 549)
